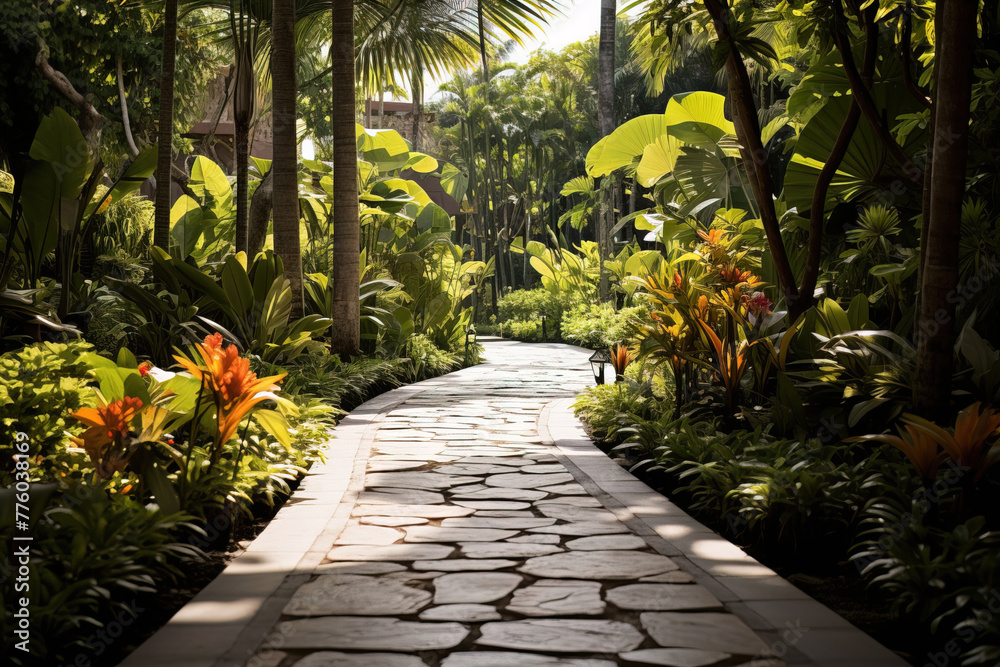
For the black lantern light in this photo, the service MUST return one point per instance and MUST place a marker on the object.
(597, 361)
(544, 315)
(470, 340)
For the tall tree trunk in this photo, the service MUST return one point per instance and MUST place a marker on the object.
(381, 105)
(165, 128)
(753, 156)
(606, 125)
(955, 28)
(244, 103)
(346, 332)
(260, 215)
(285, 164)
(418, 97)
(487, 216)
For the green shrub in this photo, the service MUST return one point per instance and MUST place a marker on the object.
(605, 408)
(598, 325)
(92, 556)
(40, 385)
(126, 228)
(946, 577)
(524, 330)
(425, 360)
(527, 305)
(121, 267)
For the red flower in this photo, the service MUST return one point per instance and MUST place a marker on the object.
(144, 368)
(760, 304)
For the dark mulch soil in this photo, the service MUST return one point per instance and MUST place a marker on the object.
(836, 585)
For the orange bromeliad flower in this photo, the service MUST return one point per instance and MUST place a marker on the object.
(108, 424)
(713, 236)
(235, 388)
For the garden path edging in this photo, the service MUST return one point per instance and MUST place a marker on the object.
(225, 621)
(796, 627)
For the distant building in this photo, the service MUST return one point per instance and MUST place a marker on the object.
(398, 116)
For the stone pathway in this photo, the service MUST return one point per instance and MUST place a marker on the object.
(474, 541)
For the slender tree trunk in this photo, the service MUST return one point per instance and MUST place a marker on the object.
(418, 96)
(381, 106)
(285, 164)
(244, 103)
(260, 215)
(242, 186)
(752, 153)
(165, 128)
(488, 214)
(124, 105)
(955, 27)
(346, 333)
(817, 213)
(606, 125)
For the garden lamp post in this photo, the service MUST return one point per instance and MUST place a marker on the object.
(470, 340)
(597, 361)
(544, 315)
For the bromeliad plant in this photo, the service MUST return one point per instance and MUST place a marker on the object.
(231, 388)
(141, 412)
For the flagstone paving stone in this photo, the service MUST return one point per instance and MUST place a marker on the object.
(370, 633)
(497, 522)
(395, 552)
(464, 613)
(662, 597)
(508, 659)
(472, 542)
(712, 631)
(422, 511)
(674, 657)
(602, 542)
(496, 505)
(356, 595)
(463, 564)
(535, 539)
(496, 493)
(506, 550)
(337, 659)
(392, 521)
(562, 635)
(558, 597)
(442, 534)
(520, 480)
(416, 480)
(598, 565)
(474, 587)
(583, 528)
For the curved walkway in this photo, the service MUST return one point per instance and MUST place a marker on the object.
(467, 521)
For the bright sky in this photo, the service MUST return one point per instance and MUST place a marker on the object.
(581, 20)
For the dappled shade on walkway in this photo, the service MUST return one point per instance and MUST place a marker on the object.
(473, 542)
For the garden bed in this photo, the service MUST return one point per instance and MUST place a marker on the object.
(837, 585)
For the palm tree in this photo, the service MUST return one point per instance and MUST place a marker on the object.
(165, 128)
(285, 165)
(345, 338)
(955, 24)
(244, 103)
(606, 122)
